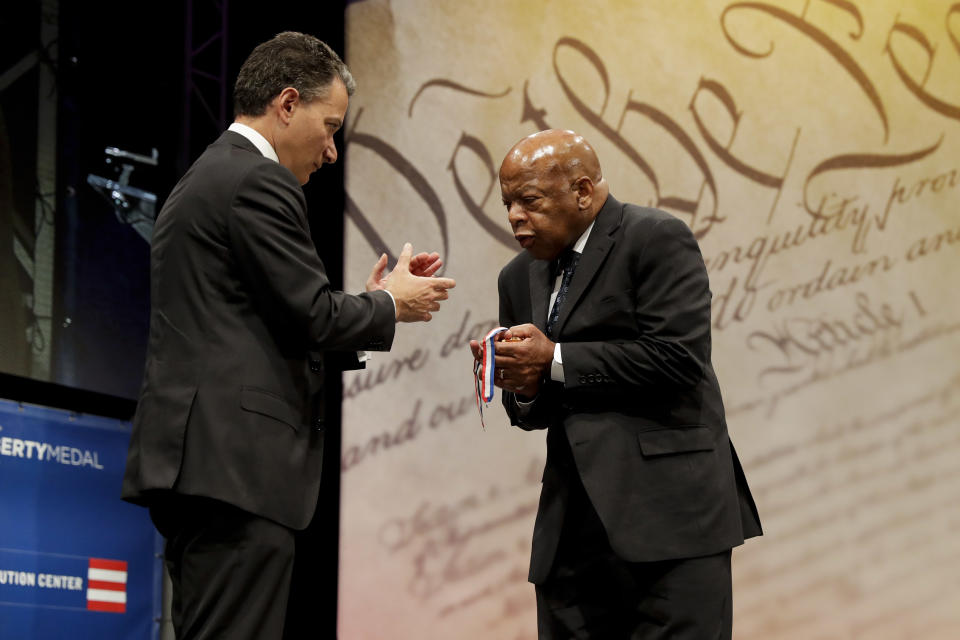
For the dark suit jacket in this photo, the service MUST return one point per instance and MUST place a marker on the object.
(241, 312)
(640, 405)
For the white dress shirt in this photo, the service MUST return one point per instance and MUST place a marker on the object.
(556, 367)
(258, 140)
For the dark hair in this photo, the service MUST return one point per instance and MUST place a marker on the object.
(289, 59)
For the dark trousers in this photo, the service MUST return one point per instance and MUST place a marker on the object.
(592, 593)
(230, 569)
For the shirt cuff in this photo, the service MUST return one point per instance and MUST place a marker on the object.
(556, 367)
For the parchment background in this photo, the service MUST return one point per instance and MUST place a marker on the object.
(813, 148)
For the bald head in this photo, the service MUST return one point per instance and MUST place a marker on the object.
(553, 189)
(556, 150)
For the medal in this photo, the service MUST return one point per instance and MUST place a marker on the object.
(484, 371)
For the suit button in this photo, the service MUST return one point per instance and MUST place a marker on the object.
(317, 424)
(583, 379)
(316, 366)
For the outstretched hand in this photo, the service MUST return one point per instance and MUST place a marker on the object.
(423, 265)
(416, 291)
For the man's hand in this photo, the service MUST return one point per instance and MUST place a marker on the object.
(416, 296)
(422, 264)
(523, 356)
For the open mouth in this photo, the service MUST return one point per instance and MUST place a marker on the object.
(525, 241)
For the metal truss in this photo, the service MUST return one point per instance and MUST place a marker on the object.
(205, 75)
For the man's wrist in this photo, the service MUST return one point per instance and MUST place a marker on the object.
(524, 401)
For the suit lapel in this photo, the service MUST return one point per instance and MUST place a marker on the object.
(540, 288)
(595, 252)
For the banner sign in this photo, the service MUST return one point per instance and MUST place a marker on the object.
(813, 148)
(73, 556)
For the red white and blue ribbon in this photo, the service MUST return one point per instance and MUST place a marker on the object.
(484, 370)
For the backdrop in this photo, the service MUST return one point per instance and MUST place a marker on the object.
(814, 148)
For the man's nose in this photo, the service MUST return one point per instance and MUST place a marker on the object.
(515, 214)
(330, 153)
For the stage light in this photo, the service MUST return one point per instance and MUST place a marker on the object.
(133, 206)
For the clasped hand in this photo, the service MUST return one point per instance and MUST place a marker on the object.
(520, 365)
(415, 290)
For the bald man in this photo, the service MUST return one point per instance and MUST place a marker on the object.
(643, 496)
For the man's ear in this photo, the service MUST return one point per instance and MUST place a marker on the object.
(286, 103)
(584, 188)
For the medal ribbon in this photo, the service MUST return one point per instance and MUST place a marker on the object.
(484, 370)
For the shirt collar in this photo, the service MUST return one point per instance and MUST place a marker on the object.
(560, 263)
(582, 242)
(258, 140)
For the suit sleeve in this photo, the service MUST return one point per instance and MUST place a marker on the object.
(277, 260)
(672, 312)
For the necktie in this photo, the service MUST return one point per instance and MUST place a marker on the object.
(568, 262)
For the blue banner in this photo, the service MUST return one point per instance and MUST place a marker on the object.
(75, 560)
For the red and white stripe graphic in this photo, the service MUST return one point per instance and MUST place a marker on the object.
(107, 585)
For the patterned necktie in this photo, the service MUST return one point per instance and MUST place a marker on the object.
(568, 262)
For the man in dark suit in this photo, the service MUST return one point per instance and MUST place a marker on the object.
(228, 438)
(643, 496)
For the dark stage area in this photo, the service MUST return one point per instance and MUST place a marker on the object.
(103, 107)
